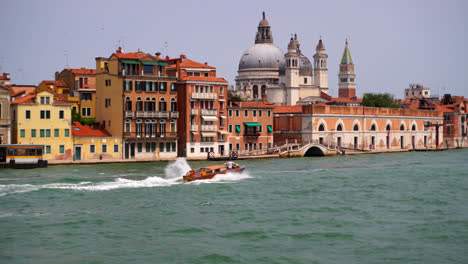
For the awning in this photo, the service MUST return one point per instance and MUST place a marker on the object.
(210, 118)
(208, 134)
(195, 133)
(149, 62)
(269, 128)
(223, 116)
(223, 132)
(130, 61)
(238, 129)
(252, 124)
(162, 63)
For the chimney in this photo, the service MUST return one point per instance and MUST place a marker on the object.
(182, 57)
(119, 50)
(167, 57)
(158, 55)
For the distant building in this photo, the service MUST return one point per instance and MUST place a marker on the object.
(136, 99)
(5, 120)
(5, 79)
(43, 119)
(250, 127)
(417, 91)
(59, 87)
(346, 76)
(83, 82)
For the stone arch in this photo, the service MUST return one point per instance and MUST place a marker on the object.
(322, 122)
(255, 91)
(321, 127)
(357, 125)
(314, 151)
(414, 127)
(263, 90)
(402, 127)
(374, 126)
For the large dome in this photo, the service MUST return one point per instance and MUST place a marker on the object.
(261, 56)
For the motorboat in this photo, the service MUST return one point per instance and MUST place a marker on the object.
(206, 173)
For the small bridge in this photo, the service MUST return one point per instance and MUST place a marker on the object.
(307, 150)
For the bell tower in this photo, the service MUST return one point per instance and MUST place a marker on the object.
(264, 32)
(346, 76)
(292, 71)
(321, 68)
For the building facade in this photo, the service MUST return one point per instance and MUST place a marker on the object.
(358, 128)
(250, 127)
(43, 119)
(418, 91)
(137, 100)
(83, 82)
(5, 119)
(61, 88)
(202, 98)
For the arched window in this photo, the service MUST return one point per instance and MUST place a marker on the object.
(413, 127)
(388, 128)
(128, 104)
(162, 105)
(173, 105)
(402, 127)
(339, 127)
(356, 127)
(263, 91)
(255, 91)
(139, 105)
(321, 127)
(372, 128)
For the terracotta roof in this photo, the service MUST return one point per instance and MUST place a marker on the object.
(59, 83)
(287, 109)
(325, 95)
(83, 71)
(186, 63)
(443, 108)
(28, 99)
(4, 76)
(346, 100)
(18, 89)
(131, 55)
(79, 130)
(203, 79)
(256, 105)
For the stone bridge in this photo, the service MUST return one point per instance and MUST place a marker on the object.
(308, 150)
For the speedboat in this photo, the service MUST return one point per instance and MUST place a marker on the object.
(206, 173)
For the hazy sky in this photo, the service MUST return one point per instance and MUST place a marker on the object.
(393, 43)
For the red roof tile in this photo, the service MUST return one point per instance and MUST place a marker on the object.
(256, 104)
(83, 71)
(59, 83)
(346, 100)
(203, 79)
(287, 109)
(28, 99)
(131, 55)
(5, 76)
(79, 130)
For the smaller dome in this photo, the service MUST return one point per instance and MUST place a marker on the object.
(263, 23)
(305, 67)
(320, 45)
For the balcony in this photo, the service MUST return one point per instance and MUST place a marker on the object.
(211, 96)
(194, 111)
(194, 128)
(152, 114)
(252, 134)
(209, 128)
(129, 114)
(174, 114)
(209, 112)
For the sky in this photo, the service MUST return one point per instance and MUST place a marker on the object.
(393, 43)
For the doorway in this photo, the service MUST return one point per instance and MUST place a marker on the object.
(413, 142)
(355, 142)
(132, 150)
(402, 143)
(221, 150)
(77, 152)
(127, 149)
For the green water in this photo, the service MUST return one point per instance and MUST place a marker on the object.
(385, 208)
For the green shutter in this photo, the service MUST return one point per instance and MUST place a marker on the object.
(140, 147)
(252, 124)
(48, 150)
(161, 146)
(130, 61)
(162, 63)
(62, 149)
(173, 147)
(148, 147)
(238, 130)
(56, 132)
(67, 132)
(149, 62)
(104, 148)
(168, 146)
(47, 133)
(269, 128)
(91, 148)
(41, 133)
(116, 148)
(153, 146)
(33, 133)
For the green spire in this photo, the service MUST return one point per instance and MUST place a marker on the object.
(346, 59)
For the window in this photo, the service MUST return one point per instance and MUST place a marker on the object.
(153, 146)
(173, 87)
(148, 147)
(173, 126)
(305, 80)
(237, 112)
(92, 148)
(163, 87)
(56, 132)
(61, 114)
(45, 114)
(260, 113)
(356, 127)
(161, 146)
(108, 82)
(67, 132)
(237, 146)
(173, 146)
(47, 133)
(168, 146)
(254, 113)
(246, 113)
(83, 111)
(116, 148)
(246, 146)
(260, 146)
(104, 148)
(86, 96)
(148, 69)
(22, 133)
(28, 114)
(372, 127)
(269, 113)
(321, 127)
(230, 128)
(33, 133)
(88, 111)
(42, 133)
(128, 85)
(139, 147)
(47, 149)
(230, 112)
(230, 146)
(192, 150)
(62, 149)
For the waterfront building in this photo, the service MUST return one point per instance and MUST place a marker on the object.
(346, 75)
(83, 82)
(5, 121)
(93, 143)
(250, 127)
(60, 88)
(417, 91)
(137, 100)
(358, 128)
(202, 100)
(43, 119)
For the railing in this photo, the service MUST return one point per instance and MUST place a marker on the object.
(129, 114)
(209, 112)
(204, 96)
(150, 135)
(194, 128)
(174, 114)
(194, 111)
(209, 127)
(153, 114)
(251, 134)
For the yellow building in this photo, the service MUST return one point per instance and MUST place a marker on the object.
(62, 91)
(93, 143)
(43, 119)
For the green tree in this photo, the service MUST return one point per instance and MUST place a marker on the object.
(84, 121)
(379, 100)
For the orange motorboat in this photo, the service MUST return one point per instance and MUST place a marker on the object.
(209, 172)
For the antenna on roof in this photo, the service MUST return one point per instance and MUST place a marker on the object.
(66, 58)
(166, 49)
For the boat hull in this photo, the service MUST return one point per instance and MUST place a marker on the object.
(198, 176)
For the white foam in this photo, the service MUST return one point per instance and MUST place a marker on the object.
(177, 169)
(224, 178)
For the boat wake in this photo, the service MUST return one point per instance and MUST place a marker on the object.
(173, 176)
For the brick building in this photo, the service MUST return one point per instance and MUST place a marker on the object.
(250, 127)
(137, 100)
(202, 99)
(363, 128)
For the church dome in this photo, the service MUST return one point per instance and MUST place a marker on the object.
(305, 67)
(264, 23)
(263, 56)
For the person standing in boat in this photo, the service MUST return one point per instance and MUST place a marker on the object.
(229, 164)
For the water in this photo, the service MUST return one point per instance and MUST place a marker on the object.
(385, 208)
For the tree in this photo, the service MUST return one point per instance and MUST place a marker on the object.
(379, 100)
(84, 121)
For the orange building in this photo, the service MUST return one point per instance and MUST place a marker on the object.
(202, 99)
(137, 100)
(250, 127)
(360, 128)
(61, 88)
